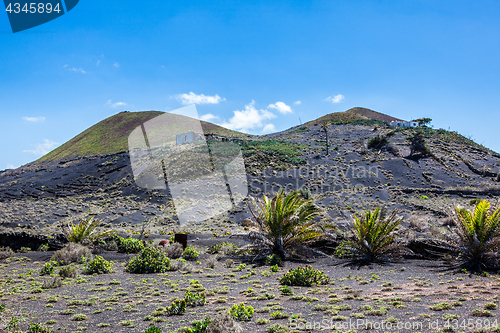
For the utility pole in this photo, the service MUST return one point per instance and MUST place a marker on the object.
(324, 127)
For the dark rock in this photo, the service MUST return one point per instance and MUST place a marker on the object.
(16, 240)
(429, 248)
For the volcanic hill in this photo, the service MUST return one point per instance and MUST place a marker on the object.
(368, 164)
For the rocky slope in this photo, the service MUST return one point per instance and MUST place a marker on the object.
(44, 195)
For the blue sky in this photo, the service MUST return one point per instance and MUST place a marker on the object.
(257, 66)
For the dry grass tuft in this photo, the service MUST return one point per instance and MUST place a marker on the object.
(224, 323)
(6, 252)
(72, 253)
(173, 251)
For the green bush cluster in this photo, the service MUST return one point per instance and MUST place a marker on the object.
(152, 329)
(190, 253)
(98, 265)
(272, 259)
(48, 268)
(129, 245)
(286, 151)
(224, 248)
(286, 291)
(194, 299)
(377, 142)
(149, 260)
(241, 312)
(304, 276)
(198, 326)
(177, 307)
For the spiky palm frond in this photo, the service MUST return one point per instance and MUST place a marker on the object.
(476, 237)
(369, 238)
(85, 231)
(284, 222)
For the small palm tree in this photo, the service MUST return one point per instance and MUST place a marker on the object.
(476, 237)
(370, 238)
(85, 231)
(284, 222)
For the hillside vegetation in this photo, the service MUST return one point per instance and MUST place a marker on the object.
(356, 115)
(110, 136)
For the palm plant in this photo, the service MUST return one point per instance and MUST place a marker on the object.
(285, 222)
(476, 237)
(370, 238)
(85, 231)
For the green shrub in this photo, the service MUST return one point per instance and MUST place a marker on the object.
(377, 142)
(274, 268)
(482, 313)
(198, 326)
(272, 259)
(285, 151)
(286, 291)
(418, 145)
(178, 307)
(304, 276)
(277, 328)
(43, 247)
(194, 299)
(152, 329)
(38, 328)
(79, 317)
(48, 267)
(241, 312)
(99, 265)
(190, 253)
(68, 271)
(149, 260)
(441, 307)
(223, 248)
(129, 245)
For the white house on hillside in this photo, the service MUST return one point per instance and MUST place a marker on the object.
(403, 124)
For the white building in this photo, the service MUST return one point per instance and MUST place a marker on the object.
(403, 124)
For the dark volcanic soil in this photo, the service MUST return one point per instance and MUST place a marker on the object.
(402, 292)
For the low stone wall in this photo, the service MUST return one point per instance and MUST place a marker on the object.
(16, 240)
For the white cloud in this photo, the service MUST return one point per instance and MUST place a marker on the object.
(74, 69)
(281, 107)
(42, 148)
(297, 102)
(269, 128)
(115, 105)
(98, 62)
(34, 119)
(248, 119)
(335, 99)
(11, 166)
(116, 64)
(193, 98)
(208, 117)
